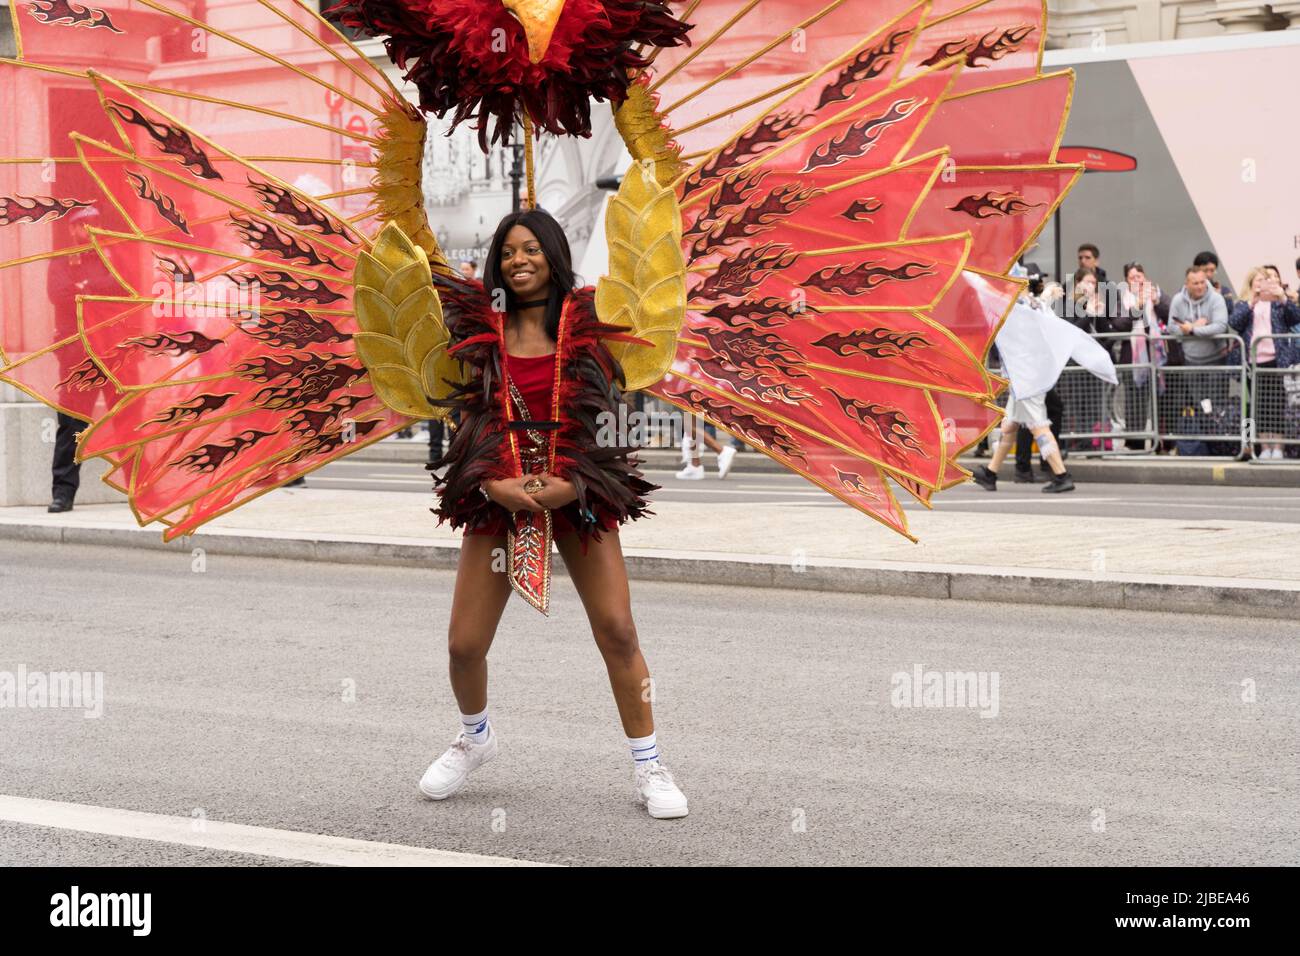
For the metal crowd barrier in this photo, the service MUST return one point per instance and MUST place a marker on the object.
(1274, 418)
(1201, 407)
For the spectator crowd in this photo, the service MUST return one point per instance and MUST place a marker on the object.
(1191, 364)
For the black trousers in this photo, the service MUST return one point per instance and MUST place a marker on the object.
(435, 438)
(66, 471)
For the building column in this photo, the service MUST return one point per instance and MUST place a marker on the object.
(1246, 16)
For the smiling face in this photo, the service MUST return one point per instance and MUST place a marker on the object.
(523, 265)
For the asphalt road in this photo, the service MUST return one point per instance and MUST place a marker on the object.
(1200, 504)
(1119, 737)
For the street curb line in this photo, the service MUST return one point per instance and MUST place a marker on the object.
(1157, 471)
(1183, 595)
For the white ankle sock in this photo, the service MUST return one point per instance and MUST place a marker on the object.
(476, 726)
(644, 749)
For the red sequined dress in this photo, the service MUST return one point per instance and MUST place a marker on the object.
(534, 377)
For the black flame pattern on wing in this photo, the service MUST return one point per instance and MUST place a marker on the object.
(305, 379)
(866, 277)
(734, 190)
(995, 205)
(770, 436)
(283, 203)
(292, 329)
(84, 377)
(875, 343)
(861, 137)
(267, 238)
(172, 343)
(756, 218)
(208, 458)
(752, 348)
(853, 482)
(746, 269)
(861, 210)
(165, 205)
(191, 411)
(765, 313)
(752, 383)
(769, 132)
(867, 65)
(16, 209)
(891, 424)
(65, 13)
(314, 421)
(174, 270)
(171, 140)
(331, 441)
(993, 46)
(284, 287)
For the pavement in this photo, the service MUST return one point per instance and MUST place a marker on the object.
(1189, 555)
(1137, 469)
(262, 711)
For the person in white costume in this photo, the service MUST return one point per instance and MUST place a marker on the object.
(1035, 345)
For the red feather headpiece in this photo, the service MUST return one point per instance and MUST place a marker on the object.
(472, 56)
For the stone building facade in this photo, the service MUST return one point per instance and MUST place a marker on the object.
(1081, 23)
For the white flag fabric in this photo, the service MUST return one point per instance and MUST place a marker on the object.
(1035, 345)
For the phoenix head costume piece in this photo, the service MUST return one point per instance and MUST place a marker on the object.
(810, 250)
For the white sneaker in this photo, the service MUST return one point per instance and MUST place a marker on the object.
(691, 473)
(448, 773)
(724, 460)
(655, 788)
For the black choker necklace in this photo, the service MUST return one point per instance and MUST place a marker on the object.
(538, 304)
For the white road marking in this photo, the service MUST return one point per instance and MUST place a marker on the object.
(234, 837)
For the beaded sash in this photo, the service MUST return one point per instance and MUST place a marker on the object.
(528, 543)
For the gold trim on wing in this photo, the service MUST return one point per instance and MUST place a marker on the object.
(257, 51)
(757, 55)
(698, 48)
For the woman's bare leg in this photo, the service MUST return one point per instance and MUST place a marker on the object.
(1009, 428)
(600, 577)
(1043, 435)
(482, 589)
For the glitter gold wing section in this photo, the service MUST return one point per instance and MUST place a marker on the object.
(403, 342)
(645, 290)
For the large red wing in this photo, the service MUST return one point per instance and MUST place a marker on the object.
(849, 226)
(200, 315)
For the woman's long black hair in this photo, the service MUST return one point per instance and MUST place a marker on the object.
(555, 246)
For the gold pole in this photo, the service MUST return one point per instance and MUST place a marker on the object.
(528, 160)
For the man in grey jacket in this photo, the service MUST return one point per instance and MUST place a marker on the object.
(1196, 315)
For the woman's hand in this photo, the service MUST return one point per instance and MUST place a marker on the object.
(509, 494)
(555, 493)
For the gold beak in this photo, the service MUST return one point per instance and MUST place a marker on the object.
(539, 18)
